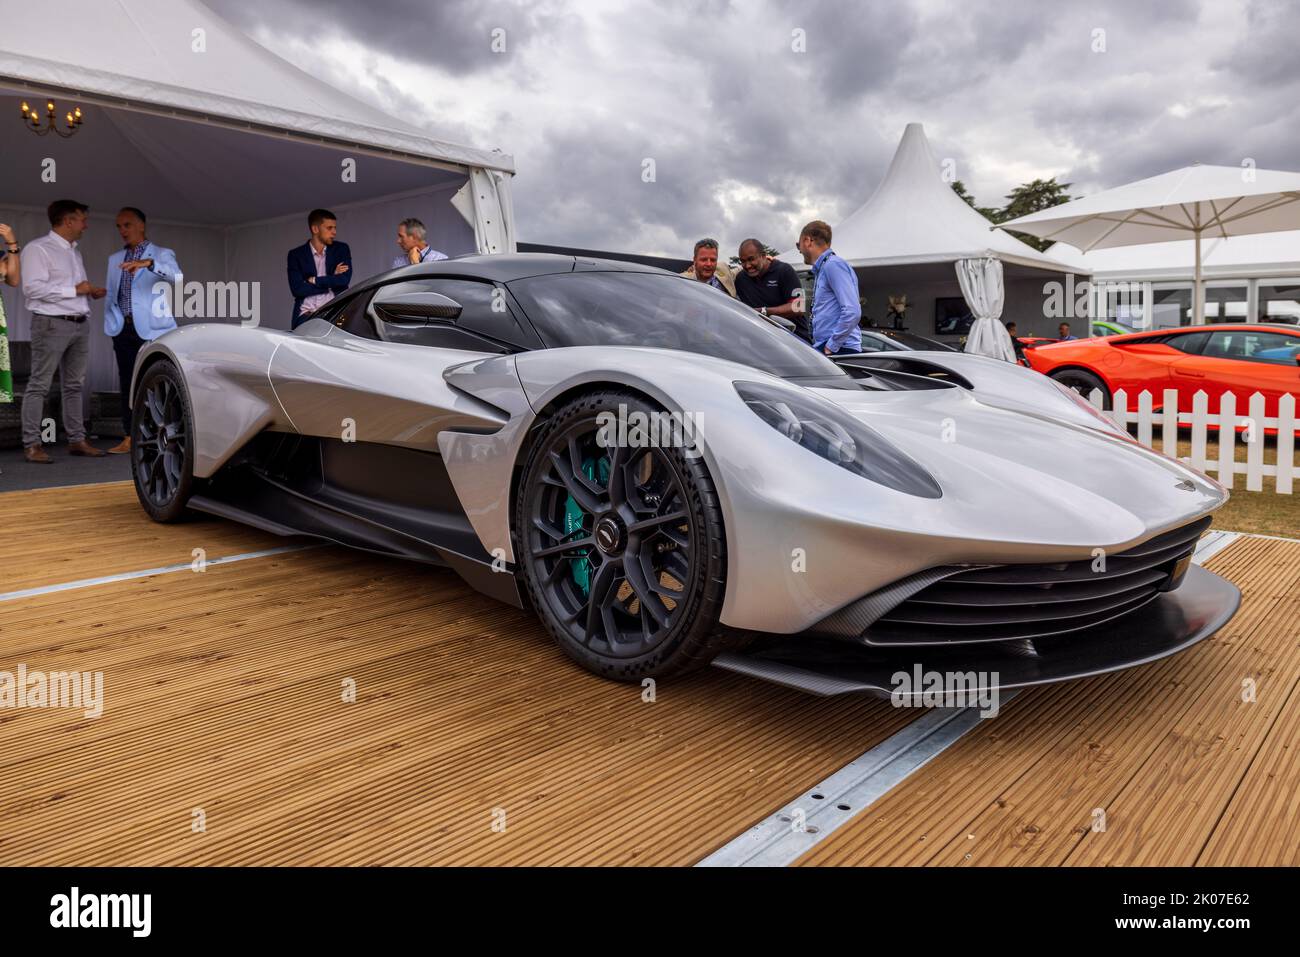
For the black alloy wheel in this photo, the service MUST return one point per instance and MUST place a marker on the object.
(621, 547)
(162, 443)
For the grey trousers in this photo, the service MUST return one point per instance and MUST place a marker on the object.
(63, 345)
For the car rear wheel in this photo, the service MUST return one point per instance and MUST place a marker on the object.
(162, 443)
(1083, 382)
(621, 547)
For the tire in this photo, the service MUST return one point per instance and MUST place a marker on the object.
(162, 443)
(625, 596)
(1083, 382)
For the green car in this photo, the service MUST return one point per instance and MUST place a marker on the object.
(1103, 327)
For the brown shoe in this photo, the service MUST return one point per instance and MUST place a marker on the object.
(122, 447)
(36, 455)
(83, 448)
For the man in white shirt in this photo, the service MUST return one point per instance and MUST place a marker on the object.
(58, 297)
(412, 240)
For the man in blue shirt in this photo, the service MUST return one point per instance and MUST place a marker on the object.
(1063, 333)
(836, 309)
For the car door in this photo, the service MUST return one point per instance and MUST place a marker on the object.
(373, 370)
(1247, 360)
(1186, 374)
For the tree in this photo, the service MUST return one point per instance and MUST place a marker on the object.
(1024, 199)
(959, 188)
(1032, 198)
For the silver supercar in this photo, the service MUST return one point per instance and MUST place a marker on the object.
(668, 480)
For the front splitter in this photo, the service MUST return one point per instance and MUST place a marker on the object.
(1175, 620)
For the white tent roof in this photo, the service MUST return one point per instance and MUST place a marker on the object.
(1252, 256)
(140, 55)
(915, 217)
(1217, 200)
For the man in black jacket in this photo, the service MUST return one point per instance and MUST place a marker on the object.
(320, 268)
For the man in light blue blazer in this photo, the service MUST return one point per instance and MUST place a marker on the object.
(133, 314)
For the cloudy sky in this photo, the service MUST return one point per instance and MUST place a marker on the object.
(760, 115)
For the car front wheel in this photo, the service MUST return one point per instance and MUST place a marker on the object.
(162, 443)
(621, 547)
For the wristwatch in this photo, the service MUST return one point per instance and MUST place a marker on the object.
(763, 312)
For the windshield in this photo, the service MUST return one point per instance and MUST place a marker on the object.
(664, 312)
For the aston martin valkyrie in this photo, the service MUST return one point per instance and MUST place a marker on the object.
(669, 480)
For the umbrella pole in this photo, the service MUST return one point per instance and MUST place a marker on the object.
(1198, 297)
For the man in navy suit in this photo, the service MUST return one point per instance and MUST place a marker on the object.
(320, 268)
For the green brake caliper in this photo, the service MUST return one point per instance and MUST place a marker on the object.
(573, 527)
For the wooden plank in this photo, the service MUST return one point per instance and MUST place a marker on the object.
(1169, 423)
(1199, 421)
(1023, 789)
(1254, 439)
(1227, 436)
(1145, 417)
(1286, 425)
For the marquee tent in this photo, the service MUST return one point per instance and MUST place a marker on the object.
(225, 146)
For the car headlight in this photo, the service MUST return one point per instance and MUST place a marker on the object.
(826, 430)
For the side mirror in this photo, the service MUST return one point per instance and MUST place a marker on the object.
(418, 308)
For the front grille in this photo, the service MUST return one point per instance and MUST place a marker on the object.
(1001, 602)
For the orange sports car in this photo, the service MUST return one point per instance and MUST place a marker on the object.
(1233, 357)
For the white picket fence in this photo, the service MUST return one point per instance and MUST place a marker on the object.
(1199, 418)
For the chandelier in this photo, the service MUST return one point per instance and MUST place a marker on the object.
(32, 120)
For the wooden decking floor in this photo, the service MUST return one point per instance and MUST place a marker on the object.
(472, 740)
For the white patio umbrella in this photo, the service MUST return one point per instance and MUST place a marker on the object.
(1193, 201)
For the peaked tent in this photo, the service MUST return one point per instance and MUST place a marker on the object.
(906, 237)
(915, 217)
(225, 146)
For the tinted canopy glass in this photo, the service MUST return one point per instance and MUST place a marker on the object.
(664, 312)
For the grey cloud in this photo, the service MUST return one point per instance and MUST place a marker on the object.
(455, 34)
(994, 82)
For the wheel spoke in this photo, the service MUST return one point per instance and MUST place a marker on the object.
(675, 535)
(587, 500)
(647, 523)
(601, 585)
(155, 409)
(617, 480)
(635, 572)
(565, 547)
(550, 531)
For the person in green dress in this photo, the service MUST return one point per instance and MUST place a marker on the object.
(9, 274)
